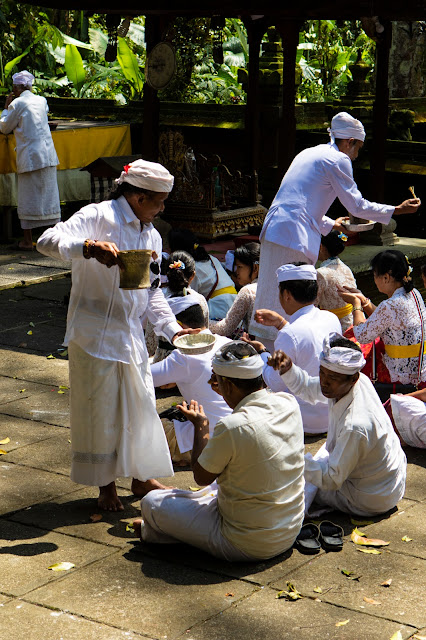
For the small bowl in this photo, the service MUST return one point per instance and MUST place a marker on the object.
(195, 343)
(367, 226)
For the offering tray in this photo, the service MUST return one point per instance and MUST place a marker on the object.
(195, 343)
(366, 226)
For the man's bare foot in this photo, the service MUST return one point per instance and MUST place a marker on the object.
(140, 488)
(137, 526)
(108, 499)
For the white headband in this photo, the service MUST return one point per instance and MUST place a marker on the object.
(340, 359)
(291, 272)
(147, 175)
(344, 126)
(24, 78)
(249, 367)
(181, 303)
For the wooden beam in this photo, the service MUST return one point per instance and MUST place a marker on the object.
(380, 115)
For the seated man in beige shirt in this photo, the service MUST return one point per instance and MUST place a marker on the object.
(252, 504)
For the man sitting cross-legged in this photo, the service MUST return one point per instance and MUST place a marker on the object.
(361, 468)
(191, 373)
(256, 508)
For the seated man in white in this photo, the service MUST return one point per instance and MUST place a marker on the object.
(191, 373)
(256, 507)
(301, 337)
(361, 469)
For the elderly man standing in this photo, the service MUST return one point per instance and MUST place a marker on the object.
(255, 509)
(297, 216)
(38, 195)
(115, 428)
(361, 469)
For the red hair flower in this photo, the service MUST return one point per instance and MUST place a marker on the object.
(126, 168)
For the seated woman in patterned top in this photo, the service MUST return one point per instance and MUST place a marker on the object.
(246, 270)
(397, 320)
(332, 274)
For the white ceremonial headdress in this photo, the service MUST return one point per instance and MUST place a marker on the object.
(147, 175)
(340, 359)
(180, 303)
(344, 126)
(230, 366)
(24, 78)
(291, 272)
(229, 260)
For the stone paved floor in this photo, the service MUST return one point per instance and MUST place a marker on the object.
(121, 589)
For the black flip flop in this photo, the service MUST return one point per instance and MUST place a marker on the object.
(308, 539)
(331, 536)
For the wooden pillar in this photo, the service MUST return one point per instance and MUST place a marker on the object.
(151, 103)
(289, 30)
(255, 31)
(380, 115)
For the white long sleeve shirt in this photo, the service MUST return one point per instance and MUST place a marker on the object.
(366, 463)
(191, 374)
(27, 117)
(315, 178)
(302, 340)
(104, 320)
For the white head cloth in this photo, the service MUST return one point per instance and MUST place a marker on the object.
(291, 272)
(340, 359)
(344, 126)
(147, 175)
(229, 260)
(180, 303)
(24, 78)
(248, 367)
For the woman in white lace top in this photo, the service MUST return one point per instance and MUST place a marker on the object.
(397, 320)
(332, 274)
(246, 270)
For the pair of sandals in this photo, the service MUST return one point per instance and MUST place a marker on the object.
(311, 538)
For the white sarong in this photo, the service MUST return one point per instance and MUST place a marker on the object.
(174, 515)
(272, 256)
(38, 198)
(115, 428)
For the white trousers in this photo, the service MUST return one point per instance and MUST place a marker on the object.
(115, 427)
(272, 256)
(172, 515)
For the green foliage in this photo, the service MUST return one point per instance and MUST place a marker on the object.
(130, 67)
(74, 67)
(326, 51)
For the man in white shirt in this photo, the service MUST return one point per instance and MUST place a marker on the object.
(112, 400)
(191, 373)
(361, 469)
(301, 337)
(254, 509)
(297, 217)
(36, 159)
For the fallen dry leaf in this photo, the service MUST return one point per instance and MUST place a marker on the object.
(32, 324)
(350, 574)
(358, 537)
(374, 552)
(194, 488)
(5, 441)
(317, 590)
(130, 528)
(291, 594)
(61, 566)
(63, 353)
(229, 595)
(406, 539)
(29, 333)
(60, 391)
(50, 357)
(95, 517)
(386, 583)
(371, 601)
(22, 390)
(342, 624)
(64, 387)
(361, 523)
(417, 637)
(396, 636)
(2, 452)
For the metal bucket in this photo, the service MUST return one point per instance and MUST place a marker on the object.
(136, 272)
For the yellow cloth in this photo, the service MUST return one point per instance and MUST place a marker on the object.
(219, 292)
(75, 147)
(404, 350)
(341, 312)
